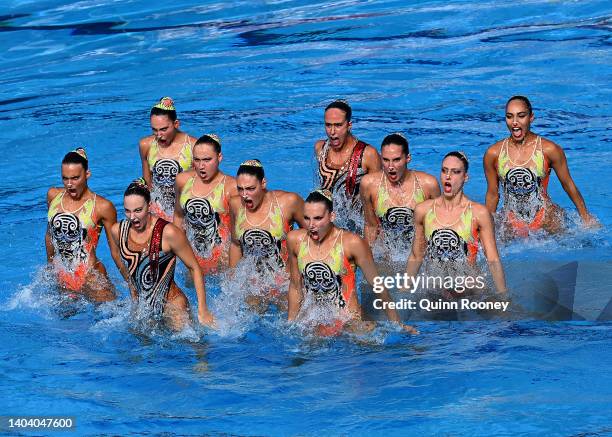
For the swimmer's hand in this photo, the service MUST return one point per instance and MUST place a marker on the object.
(410, 329)
(590, 221)
(206, 318)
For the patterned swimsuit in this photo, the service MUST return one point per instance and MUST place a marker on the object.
(163, 176)
(524, 187)
(207, 223)
(397, 221)
(74, 236)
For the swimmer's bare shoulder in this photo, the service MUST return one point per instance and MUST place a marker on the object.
(294, 237)
(481, 213)
(492, 152)
(421, 209)
(145, 144)
(318, 146)
(288, 198)
(368, 183)
(354, 243)
(52, 194)
(235, 203)
(105, 208)
(183, 177)
(428, 182)
(371, 159)
(550, 148)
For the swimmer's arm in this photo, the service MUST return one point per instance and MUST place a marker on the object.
(145, 145)
(177, 219)
(231, 189)
(362, 256)
(295, 295)
(235, 251)
(558, 162)
(486, 233)
(108, 214)
(297, 209)
(372, 225)
(371, 160)
(48, 244)
(415, 259)
(114, 235)
(431, 187)
(489, 163)
(180, 246)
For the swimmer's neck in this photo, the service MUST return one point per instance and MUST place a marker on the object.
(401, 180)
(212, 180)
(527, 139)
(326, 237)
(263, 201)
(349, 143)
(147, 225)
(80, 197)
(452, 201)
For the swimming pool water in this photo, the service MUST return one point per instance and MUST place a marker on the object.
(259, 75)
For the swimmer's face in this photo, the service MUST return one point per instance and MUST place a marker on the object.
(164, 129)
(394, 161)
(319, 221)
(452, 176)
(337, 127)
(206, 161)
(518, 119)
(251, 190)
(136, 211)
(74, 178)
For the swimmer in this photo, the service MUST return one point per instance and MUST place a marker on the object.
(202, 204)
(75, 218)
(522, 164)
(149, 246)
(390, 196)
(449, 228)
(323, 260)
(261, 219)
(164, 155)
(342, 161)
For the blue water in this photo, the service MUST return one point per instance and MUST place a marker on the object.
(259, 74)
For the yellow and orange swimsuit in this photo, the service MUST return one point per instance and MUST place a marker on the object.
(397, 221)
(74, 236)
(163, 175)
(524, 188)
(266, 242)
(455, 243)
(207, 223)
(330, 280)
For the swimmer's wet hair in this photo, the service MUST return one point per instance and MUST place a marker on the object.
(165, 106)
(76, 156)
(342, 105)
(138, 187)
(396, 138)
(211, 139)
(252, 167)
(461, 156)
(523, 99)
(322, 196)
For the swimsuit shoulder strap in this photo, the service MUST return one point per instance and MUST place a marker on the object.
(279, 208)
(155, 247)
(354, 165)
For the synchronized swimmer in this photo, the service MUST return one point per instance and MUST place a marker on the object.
(221, 222)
